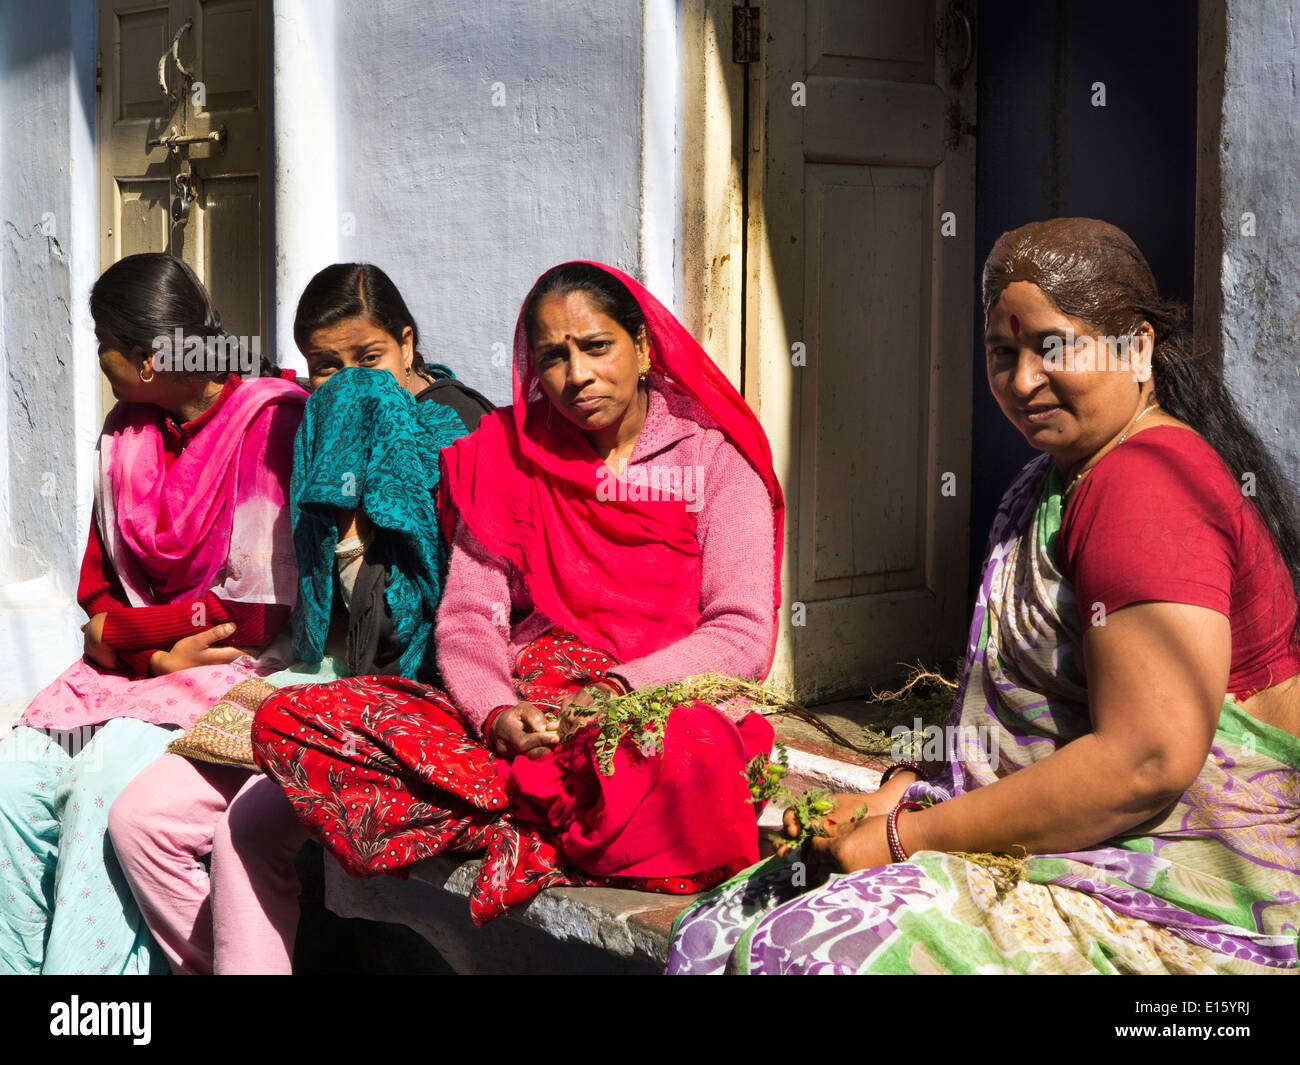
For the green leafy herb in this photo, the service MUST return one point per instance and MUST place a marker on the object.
(640, 717)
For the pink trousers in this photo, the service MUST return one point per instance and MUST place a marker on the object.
(239, 915)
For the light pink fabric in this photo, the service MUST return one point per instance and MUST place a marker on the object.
(242, 915)
(83, 694)
(532, 490)
(204, 523)
(257, 545)
(478, 643)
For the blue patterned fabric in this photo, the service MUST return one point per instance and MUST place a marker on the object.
(65, 907)
(364, 442)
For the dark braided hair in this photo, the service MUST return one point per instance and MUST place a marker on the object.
(1093, 271)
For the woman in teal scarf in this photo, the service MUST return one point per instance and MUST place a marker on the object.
(370, 567)
(1124, 789)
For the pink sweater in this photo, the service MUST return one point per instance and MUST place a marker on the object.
(486, 616)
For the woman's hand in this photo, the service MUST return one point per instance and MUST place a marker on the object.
(861, 845)
(351, 522)
(523, 729)
(846, 805)
(96, 649)
(196, 650)
(841, 818)
(570, 722)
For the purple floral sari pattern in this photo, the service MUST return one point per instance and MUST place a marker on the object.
(1211, 885)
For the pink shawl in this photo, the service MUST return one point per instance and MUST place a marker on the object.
(172, 532)
(215, 521)
(622, 575)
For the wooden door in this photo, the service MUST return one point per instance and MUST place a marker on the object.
(213, 82)
(858, 348)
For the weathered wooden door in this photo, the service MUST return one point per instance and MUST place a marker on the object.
(182, 124)
(858, 348)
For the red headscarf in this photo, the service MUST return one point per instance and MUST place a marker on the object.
(623, 576)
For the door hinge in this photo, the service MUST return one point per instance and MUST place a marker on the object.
(744, 34)
(99, 72)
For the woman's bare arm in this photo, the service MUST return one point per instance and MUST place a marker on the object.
(1157, 673)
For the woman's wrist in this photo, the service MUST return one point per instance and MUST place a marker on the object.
(914, 770)
(902, 831)
(489, 722)
(613, 682)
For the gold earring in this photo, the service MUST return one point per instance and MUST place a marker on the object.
(151, 376)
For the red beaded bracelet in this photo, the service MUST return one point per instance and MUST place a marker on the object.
(896, 850)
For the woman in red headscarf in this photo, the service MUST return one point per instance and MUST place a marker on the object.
(619, 526)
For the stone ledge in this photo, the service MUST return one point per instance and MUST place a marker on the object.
(563, 930)
(630, 927)
(628, 924)
(808, 770)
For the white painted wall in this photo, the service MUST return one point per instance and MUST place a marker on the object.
(661, 153)
(464, 149)
(478, 145)
(1260, 279)
(49, 418)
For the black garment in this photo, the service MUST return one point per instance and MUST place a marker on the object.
(468, 404)
(371, 649)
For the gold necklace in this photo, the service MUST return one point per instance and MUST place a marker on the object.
(1082, 473)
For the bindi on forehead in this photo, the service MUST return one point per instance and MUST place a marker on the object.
(1015, 326)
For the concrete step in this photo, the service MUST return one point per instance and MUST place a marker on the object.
(565, 929)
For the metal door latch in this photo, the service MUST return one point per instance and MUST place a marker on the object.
(174, 141)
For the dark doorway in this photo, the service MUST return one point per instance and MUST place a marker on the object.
(1046, 149)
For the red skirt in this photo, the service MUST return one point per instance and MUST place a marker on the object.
(385, 772)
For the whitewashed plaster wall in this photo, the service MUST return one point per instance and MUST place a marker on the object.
(49, 417)
(462, 149)
(478, 145)
(1260, 189)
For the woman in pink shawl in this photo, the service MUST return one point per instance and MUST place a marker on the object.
(619, 526)
(188, 576)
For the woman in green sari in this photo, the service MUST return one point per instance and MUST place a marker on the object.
(1123, 793)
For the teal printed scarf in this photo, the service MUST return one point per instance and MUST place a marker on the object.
(364, 442)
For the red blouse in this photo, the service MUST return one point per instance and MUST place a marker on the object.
(1161, 518)
(136, 632)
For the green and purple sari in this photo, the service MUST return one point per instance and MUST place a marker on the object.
(1212, 885)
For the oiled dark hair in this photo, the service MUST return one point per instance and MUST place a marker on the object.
(149, 295)
(607, 292)
(1093, 271)
(354, 290)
